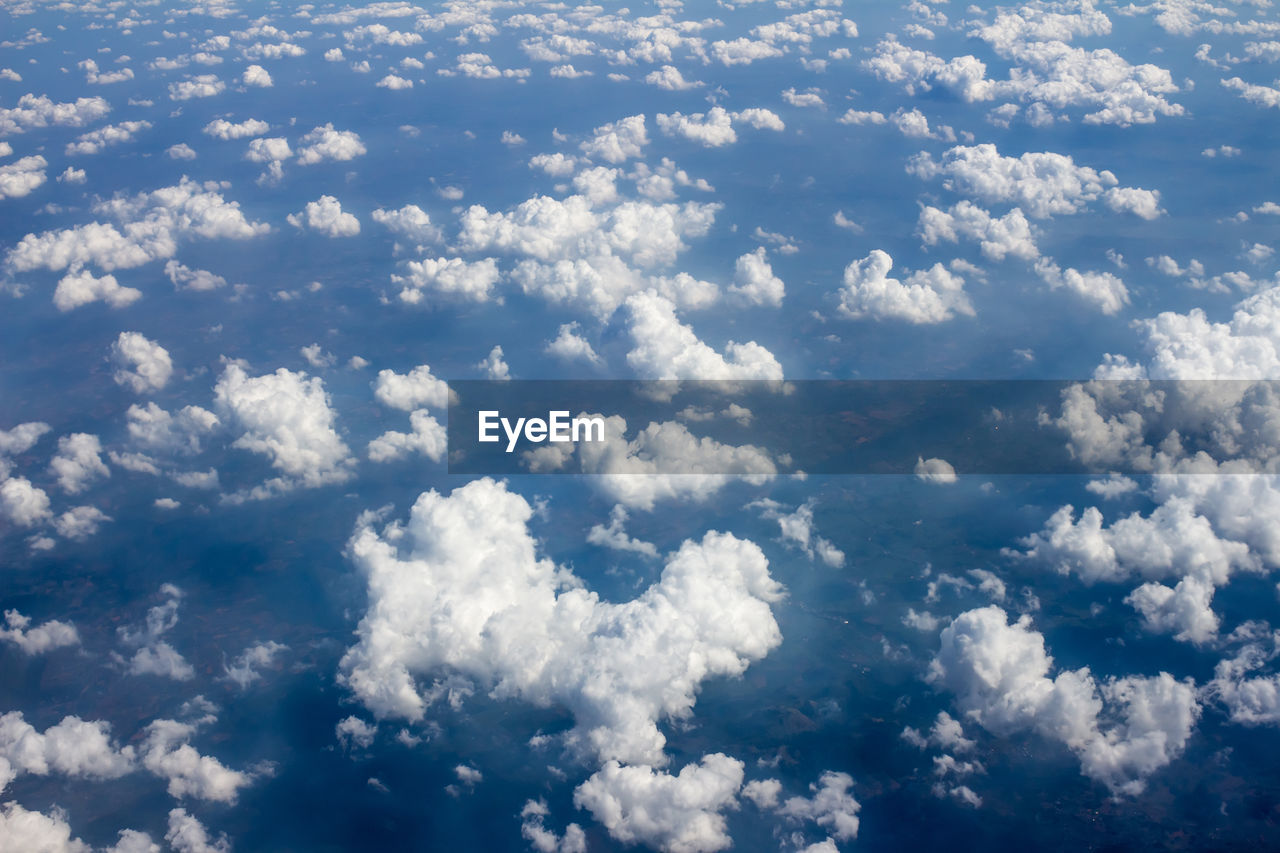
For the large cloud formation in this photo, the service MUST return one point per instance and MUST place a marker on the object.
(462, 590)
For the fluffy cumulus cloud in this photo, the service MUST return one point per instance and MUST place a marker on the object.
(326, 215)
(37, 111)
(141, 364)
(665, 348)
(427, 437)
(997, 236)
(999, 673)
(412, 390)
(754, 280)
(618, 141)
(22, 176)
(78, 463)
(461, 588)
(81, 287)
(286, 417)
(74, 747)
(168, 753)
(681, 813)
(108, 135)
(256, 76)
(223, 129)
(150, 227)
(926, 296)
(325, 143)
(153, 655)
(447, 278)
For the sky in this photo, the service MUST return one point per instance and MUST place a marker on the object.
(245, 247)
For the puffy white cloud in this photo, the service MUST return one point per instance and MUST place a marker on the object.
(480, 67)
(831, 806)
(107, 135)
(382, 34)
(154, 655)
(665, 348)
(186, 278)
(618, 141)
(73, 747)
(80, 522)
(411, 390)
(200, 86)
(428, 438)
(409, 221)
(326, 143)
(22, 503)
(141, 364)
(36, 832)
(615, 536)
(998, 237)
(754, 280)
(571, 346)
(187, 835)
(36, 111)
(1263, 96)
(796, 528)
(935, 470)
(447, 277)
(78, 463)
(531, 631)
(494, 365)
(926, 296)
(223, 129)
(326, 215)
(181, 151)
(533, 828)
(1143, 203)
(353, 731)
(675, 814)
(152, 224)
(243, 671)
(80, 287)
(713, 128)
(286, 417)
(669, 77)
(743, 51)
(167, 753)
(160, 432)
(257, 76)
(394, 82)
(1041, 183)
(1105, 290)
(22, 176)
(22, 437)
(999, 672)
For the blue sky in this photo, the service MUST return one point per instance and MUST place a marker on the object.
(245, 246)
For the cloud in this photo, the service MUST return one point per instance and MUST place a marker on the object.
(200, 86)
(141, 364)
(412, 390)
(151, 226)
(325, 215)
(187, 835)
(225, 130)
(37, 111)
(186, 278)
(286, 417)
(80, 522)
(428, 438)
(754, 281)
(243, 671)
(998, 237)
(394, 83)
(22, 503)
(713, 128)
(449, 278)
(22, 176)
(568, 345)
(111, 134)
(668, 77)
(81, 287)
(675, 814)
(618, 141)
(1106, 291)
(926, 296)
(154, 655)
(935, 470)
(325, 143)
(74, 747)
(665, 348)
(181, 151)
(77, 463)
(615, 537)
(530, 630)
(999, 672)
(257, 76)
(409, 221)
(167, 753)
(39, 639)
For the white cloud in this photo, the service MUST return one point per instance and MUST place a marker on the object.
(615, 536)
(325, 143)
(409, 221)
(286, 417)
(39, 639)
(669, 77)
(428, 438)
(494, 365)
(935, 470)
(81, 287)
(675, 814)
(167, 753)
(141, 364)
(200, 86)
(926, 296)
(394, 83)
(1143, 203)
(998, 237)
(1000, 675)
(713, 128)
(571, 346)
(21, 177)
(618, 141)
(74, 747)
(187, 835)
(223, 129)
(186, 278)
(831, 806)
(448, 278)
(665, 348)
(412, 390)
(37, 111)
(754, 280)
(326, 215)
(531, 631)
(243, 671)
(78, 463)
(181, 151)
(107, 135)
(23, 503)
(80, 522)
(1103, 289)
(257, 76)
